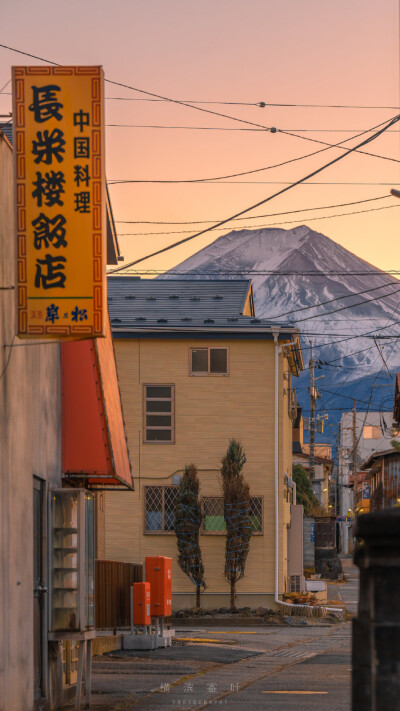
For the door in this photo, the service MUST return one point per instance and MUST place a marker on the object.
(39, 588)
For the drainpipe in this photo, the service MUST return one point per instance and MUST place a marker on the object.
(278, 351)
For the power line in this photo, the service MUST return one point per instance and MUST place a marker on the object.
(228, 128)
(272, 224)
(243, 273)
(223, 177)
(260, 104)
(5, 85)
(150, 93)
(199, 108)
(337, 298)
(394, 120)
(344, 308)
(254, 182)
(251, 217)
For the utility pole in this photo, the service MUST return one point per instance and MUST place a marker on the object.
(355, 477)
(312, 416)
(337, 492)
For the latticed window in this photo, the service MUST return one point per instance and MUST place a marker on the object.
(160, 505)
(213, 515)
(158, 413)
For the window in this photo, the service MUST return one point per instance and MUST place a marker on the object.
(371, 432)
(213, 515)
(208, 361)
(158, 415)
(160, 505)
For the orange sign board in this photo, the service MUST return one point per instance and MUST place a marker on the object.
(60, 201)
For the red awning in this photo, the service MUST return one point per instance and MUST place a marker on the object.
(94, 447)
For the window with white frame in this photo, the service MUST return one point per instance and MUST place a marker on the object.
(208, 361)
(160, 505)
(213, 515)
(158, 413)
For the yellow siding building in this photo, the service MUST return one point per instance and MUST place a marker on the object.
(196, 368)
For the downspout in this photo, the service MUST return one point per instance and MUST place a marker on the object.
(278, 351)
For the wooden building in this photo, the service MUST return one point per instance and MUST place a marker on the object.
(197, 368)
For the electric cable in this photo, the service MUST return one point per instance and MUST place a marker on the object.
(394, 120)
(261, 104)
(260, 227)
(192, 106)
(251, 217)
(337, 298)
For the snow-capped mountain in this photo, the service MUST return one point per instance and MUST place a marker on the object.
(294, 272)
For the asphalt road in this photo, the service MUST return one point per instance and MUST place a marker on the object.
(302, 668)
(295, 666)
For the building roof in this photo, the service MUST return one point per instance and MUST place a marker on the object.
(6, 130)
(368, 463)
(190, 308)
(131, 298)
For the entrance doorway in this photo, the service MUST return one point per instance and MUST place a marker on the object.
(39, 590)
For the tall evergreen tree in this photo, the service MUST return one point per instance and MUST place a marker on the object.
(188, 519)
(236, 493)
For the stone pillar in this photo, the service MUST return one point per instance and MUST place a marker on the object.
(376, 630)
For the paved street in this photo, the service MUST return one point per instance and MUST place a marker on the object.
(292, 666)
(283, 668)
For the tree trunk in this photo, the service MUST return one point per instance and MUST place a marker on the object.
(197, 595)
(233, 586)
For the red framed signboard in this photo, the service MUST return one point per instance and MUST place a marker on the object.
(60, 202)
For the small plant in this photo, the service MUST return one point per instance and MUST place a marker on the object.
(188, 519)
(236, 493)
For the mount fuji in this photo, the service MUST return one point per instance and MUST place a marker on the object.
(348, 308)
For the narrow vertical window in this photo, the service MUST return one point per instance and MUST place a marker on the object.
(158, 413)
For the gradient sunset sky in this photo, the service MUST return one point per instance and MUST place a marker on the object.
(240, 52)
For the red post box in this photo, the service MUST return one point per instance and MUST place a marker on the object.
(159, 575)
(141, 604)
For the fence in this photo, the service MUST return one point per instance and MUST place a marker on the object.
(113, 583)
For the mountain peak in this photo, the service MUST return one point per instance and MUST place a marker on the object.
(307, 278)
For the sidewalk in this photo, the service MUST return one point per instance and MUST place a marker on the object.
(347, 592)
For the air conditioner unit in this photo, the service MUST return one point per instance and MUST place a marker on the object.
(297, 584)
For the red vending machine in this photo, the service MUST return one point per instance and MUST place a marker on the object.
(159, 575)
(141, 604)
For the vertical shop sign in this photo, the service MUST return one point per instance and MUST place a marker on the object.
(60, 202)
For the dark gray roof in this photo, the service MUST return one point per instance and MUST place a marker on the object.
(6, 129)
(181, 304)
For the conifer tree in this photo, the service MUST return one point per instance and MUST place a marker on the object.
(188, 519)
(236, 493)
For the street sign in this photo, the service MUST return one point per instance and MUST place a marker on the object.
(366, 491)
(60, 201)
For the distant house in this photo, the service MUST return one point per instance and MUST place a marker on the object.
(371, 434)
(197, 368)
(383, 478)
(382, 468)
(322, 457)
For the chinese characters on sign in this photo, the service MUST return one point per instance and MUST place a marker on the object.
(58, 139)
